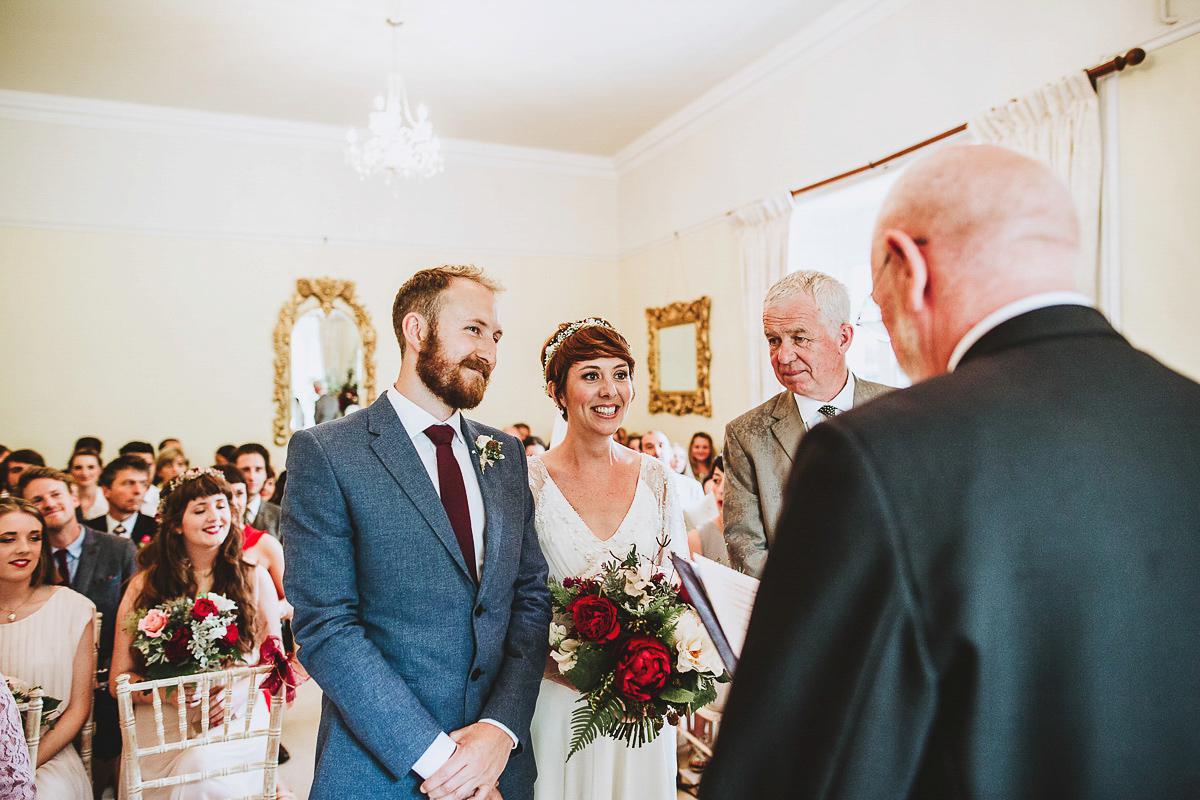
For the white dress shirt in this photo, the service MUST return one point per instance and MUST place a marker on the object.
(810, 410)
(126, 523)
(415, 420)
(252, 506)
(1013, 309)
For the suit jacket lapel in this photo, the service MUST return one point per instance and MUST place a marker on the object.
(493, 519)
(395, 449)
(86, 569)
(788, 427)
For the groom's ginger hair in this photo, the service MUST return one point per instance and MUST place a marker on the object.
(424, 292)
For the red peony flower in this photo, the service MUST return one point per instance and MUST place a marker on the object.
(231, 635)
(643, 666)
(203, 608)
(595, 618)
(176, 648)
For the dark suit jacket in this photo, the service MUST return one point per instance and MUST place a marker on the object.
(105, 566)
(388, 619)
(143, 526)
(985, 586)
(267, 518)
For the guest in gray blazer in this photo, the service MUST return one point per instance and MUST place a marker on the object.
(806, 319)
(254, 462)
(422, 609)
(98, 566)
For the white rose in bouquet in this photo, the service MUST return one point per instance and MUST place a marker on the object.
(696, 652)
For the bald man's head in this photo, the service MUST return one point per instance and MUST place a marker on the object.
(963, 232)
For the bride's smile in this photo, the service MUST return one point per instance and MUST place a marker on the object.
(599, 390)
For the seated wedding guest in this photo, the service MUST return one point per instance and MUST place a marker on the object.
(621, 436)
(124, 481)
(255, 464)
(280, 485)
(144, 451)
(268, 488)
(170, 462)
(708, 539)
(258, 548)
(634, 442)
(84, 468)
(656, 445)
(95, 564)
(4, 451)
(166, 444)
(806, 320)
(46, 640)
(226, 454)
(700, 456)
(535, 446)
(88, 443)
(16, 463)
(194, 552)
(679, 460)
(523, 431)
(16, 773)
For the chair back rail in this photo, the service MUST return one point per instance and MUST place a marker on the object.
(89, 727)
(227, 731)
(32, 709)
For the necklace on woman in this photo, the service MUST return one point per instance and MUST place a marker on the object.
(12, 615)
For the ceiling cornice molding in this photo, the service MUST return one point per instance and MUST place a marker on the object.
(816, 40)
(165, 121)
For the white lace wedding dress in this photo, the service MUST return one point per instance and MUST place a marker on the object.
(606, 769)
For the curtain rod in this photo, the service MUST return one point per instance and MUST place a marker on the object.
(1135, 56)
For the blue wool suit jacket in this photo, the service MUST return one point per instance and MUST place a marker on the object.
(388, 620)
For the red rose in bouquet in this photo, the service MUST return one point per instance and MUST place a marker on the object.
(231, 635)
(643, 666)
(595, 617)
(203, 608)
(176, 648)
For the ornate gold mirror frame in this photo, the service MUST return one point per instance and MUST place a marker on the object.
(697, 399)
(317, 293)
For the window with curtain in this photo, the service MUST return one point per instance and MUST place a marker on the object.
(831, 233)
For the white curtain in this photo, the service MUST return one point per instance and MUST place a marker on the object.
(1059, 124)
(762, 233)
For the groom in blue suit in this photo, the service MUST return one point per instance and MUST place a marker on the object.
(412, 561)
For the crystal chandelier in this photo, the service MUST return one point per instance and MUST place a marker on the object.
(395, 143)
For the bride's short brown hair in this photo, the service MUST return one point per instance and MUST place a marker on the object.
(583, 344)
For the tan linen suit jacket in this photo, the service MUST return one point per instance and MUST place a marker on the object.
(759, 446)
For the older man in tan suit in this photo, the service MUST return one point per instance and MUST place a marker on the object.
(806, 319)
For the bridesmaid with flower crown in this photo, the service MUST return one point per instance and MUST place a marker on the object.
(198, 548)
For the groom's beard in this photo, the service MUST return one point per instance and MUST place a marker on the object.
(446, 378)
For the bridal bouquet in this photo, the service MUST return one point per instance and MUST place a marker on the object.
(637, 652)
(21, 693)
(186, 635)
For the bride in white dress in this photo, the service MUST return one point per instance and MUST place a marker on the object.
(596, 499)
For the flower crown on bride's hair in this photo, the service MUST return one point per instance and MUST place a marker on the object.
(176, 483)
(565, 334)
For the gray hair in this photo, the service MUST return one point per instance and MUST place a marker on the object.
(830, 295)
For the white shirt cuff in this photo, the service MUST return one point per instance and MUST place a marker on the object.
(504, 728)
(435, 756)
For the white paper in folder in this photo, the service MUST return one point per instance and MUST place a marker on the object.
(732, 596)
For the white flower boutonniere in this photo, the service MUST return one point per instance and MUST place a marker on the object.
(490, 451)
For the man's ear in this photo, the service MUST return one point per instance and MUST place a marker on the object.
(912, 272)
(845, 337)
(415, 330)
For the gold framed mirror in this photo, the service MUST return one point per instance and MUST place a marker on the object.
(680, 358)
(324, 356)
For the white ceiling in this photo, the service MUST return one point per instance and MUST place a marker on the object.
(586, 76)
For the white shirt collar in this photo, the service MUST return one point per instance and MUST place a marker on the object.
(75, 548)
(252, 507)
(1013, 309)
(126, 523)
(416, 419)
(810, 409)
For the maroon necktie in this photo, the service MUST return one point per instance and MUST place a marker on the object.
(64, 570)
(454, 492)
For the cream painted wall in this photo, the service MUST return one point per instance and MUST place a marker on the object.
(128, 336)
(925, 69)
(1160, 162)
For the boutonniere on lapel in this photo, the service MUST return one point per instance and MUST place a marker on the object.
(490, 451)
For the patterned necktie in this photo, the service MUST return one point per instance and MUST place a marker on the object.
(64, 570)
(119, 530)
(829, 411)
(454, 493)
